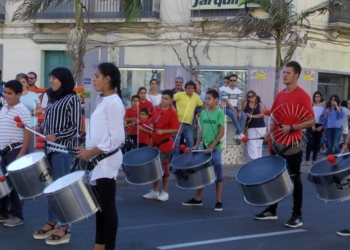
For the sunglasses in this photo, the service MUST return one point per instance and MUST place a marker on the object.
(233, 80)
(251, 96)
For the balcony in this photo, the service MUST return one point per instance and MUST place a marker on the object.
(2, 10)
(98, 11)
(340, 17)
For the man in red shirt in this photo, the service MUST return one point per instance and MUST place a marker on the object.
(165, 124)
(295, 95)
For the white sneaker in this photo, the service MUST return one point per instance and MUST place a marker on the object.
(151, 195)
(236, 137)
(164, 196)
(241, 135)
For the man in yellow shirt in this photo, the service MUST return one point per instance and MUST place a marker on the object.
(186, 103)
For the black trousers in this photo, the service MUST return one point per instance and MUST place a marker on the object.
(11, 205)
(107, 219)
(293, 164)
(313, 142)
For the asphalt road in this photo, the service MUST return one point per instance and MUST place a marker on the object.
(148, 224)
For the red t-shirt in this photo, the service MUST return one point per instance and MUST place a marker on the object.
(164, 119)
(299, 108)
(147, 104)
(131, 113)
(144, 137)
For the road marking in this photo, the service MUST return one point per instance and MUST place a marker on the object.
(243, 237)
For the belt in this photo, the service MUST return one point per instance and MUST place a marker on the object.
(162, 142)
(9, 147)
(93, 163)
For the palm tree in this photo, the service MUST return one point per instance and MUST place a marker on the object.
(76, 37)
(278, 21)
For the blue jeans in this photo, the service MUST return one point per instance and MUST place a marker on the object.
(186, 131)
(333, 138)
(239, 124)
(60, 164)
(216, 156)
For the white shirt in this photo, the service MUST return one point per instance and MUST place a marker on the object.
(106, 132)
(345, 120)
(232, 94)
(154, 99)
(9, 132)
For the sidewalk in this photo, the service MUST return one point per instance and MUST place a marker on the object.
(230, 170)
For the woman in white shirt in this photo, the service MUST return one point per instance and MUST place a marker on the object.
(103, 136)
(153, 96)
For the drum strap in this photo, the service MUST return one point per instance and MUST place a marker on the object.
(91, 164)
(9, 147)
(162, 142)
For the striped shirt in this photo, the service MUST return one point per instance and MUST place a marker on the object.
(63, 119)
(9, 132)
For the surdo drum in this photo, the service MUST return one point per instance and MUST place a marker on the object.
(265, 181)
(142, 166)
(71, 199)
(5, 187)
(193, 170)
(30, 174)
(332, 182)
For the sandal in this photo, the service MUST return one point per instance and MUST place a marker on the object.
(306, 163)
(42, 233)
(56, 239)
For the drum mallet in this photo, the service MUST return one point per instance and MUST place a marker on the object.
(146, 126)
(333, 158)
(245, 138)
(2, 178)
(60, 150)
(129, 125)
(42, 140)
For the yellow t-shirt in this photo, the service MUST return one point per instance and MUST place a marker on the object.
(186, 105)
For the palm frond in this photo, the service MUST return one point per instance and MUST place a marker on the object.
(132, 10)
(322, 7)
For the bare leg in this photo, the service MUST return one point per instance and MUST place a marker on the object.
(99, 247)
(199, 193)
(166, 180)
(156, 185)
(218, 191)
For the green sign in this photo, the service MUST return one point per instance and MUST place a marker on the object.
(214, 4)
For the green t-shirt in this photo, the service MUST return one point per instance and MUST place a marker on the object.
(210, 123)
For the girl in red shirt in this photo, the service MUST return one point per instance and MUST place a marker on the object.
(144, 103)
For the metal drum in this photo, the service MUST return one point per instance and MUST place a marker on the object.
(332, 182)
(193, 170)
(30, 174)
(265, 181)
(142, 166)
(5, 187)
(71, 199)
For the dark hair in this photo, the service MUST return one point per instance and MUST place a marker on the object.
(226, 78)
(22, 75)
(153, 80)
(296, 67)
(140, 89)
(67, 84)
(14, 85)
(258, 99)
(144, 110)
(344, 103)
(33, 73)
(168, 92)
(213, 93)
(337, 100)
(109, 69)
(189, 83)
(317, 93)
(198, 82)
(179, 77)
(253, 92)
(233, 75)
(135, 97)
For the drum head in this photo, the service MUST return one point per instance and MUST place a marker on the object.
(324, 167)
(190, 160)
(64, 182)
(261, 170)
(140, 156)
(25, 161)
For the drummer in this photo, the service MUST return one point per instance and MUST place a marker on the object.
(10, 134)
(291, 94)
(165, 124)
(62, 124)
(211, 130)
(104, 137)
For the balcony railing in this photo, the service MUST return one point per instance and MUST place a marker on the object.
(216, 13)
(98, 9)
(340, 15)
(2, 10)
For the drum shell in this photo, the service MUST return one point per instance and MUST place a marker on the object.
(270, 191)
(30, 181)
(332, 186)
(195, 176)
(72, 203)
(5, 187)
(142, 166)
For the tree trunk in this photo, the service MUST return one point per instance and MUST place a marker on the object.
(278, 65)
(277, 81)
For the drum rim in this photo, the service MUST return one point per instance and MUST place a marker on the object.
(195, 166)
(273, 178)
(67, 186)
(335, 172)
(133, 151)
(19, 170)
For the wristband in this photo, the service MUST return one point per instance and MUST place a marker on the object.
(291, 128)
